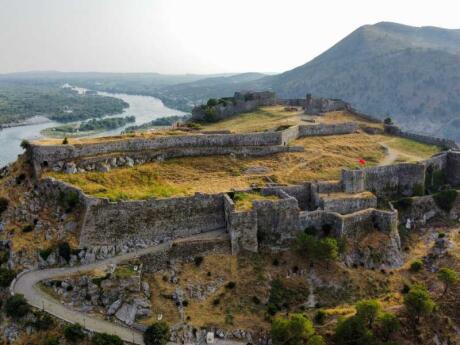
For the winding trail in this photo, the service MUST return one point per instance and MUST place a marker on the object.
(26, 283)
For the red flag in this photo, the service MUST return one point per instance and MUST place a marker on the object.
(362, 162)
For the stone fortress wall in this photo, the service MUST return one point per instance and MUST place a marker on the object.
(270, 223)
(127, 152)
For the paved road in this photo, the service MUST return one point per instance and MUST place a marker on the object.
(26, 284)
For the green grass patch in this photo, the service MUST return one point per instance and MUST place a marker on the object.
(445, 199)
(243, 200)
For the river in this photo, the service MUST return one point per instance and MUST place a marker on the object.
(144, 108)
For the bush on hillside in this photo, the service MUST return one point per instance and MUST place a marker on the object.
(416, 266)
(16, 306)
(418, 302)
(445, 199)
(6, 277)
(291, 331)
(106, 339)
(74, 333)
(3, 204)
(157, 334)
(64, 250)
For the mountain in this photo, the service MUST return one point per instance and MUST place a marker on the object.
(411, 74)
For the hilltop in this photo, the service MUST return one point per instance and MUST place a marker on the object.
(409, 73)
(252, 214)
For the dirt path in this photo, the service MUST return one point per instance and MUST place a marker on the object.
(26, 283)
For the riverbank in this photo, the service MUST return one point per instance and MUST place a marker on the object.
(36, 120)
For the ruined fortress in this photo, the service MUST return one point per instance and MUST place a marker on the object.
(340, 208)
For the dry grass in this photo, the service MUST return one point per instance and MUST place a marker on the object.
(265, 118)
(243, 200)
(409, 150)
(323, 159)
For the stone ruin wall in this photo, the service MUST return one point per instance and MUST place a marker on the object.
(152, 220)
(239, 105)
(427, 139)
(141, 150)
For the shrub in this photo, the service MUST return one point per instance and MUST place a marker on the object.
(51, 340)
(230, 285)
(20, 178)
(418, 302)
(291, 331)
(3, 205)
(210, 115)
(441, 235)
(320, 317)
(44, 253)
(216, 302)
(368, 310)
(157, 334)
(64, 250)
(419, 190)
(310, 231)
(16, 306)
(388, 121)
(387, 325)
(445, 199)
(6, 277)
(25, 144)
(255, 300)
(416, 266)
(448, 277)
(198, 260)
(353, 331)
(65, 141)
(403, 204)
(106, 339)
(316, 340)
(69, 200)
(28, 228)
(74, 333)
(43, 321)
(212, 102)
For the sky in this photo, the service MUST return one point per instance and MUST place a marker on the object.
(192, 36)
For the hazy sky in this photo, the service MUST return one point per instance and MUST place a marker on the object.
(192, 36)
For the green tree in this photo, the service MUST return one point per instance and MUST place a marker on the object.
(448, 277)
(157, 334)
(306, 245)
(74, 332)
(64, 250)
(316, 340)
(388, 121)
(295, 330)
(16, 306)
(65, 141)
(368, 311)
(353, 331)
(6, 277)
(106, 339)
(328, 250)
(388, 324)
(418, 302)
(416, 265)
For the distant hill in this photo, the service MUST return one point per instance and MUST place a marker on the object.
(409, 73)
(184, 96)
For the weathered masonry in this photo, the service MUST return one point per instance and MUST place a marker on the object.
(342, 208)
(127, 152)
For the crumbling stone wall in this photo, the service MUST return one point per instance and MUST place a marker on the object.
(318, 105)
(327, 129)
(427, 139)
(453, 168)
(241, 226)
(242, 102)
(151, 220)
(391, 180)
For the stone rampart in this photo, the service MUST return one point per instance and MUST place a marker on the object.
(391, 180)
(453, 168)
(427, 139)
(241, 102)
(327, 129)
(151, 220)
